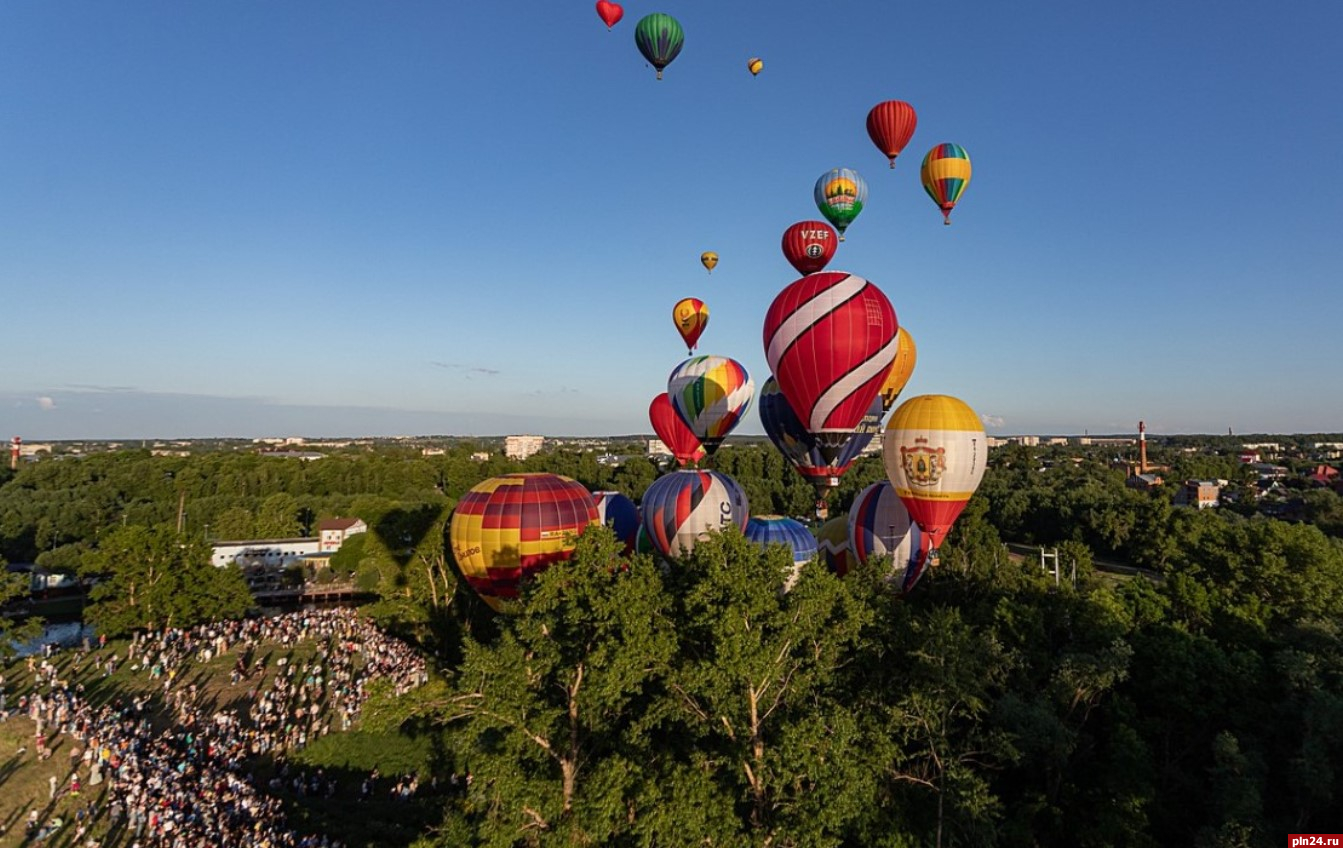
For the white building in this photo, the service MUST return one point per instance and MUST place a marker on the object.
(264, 552)
(656, 447)
(334, 531)
(521, 447)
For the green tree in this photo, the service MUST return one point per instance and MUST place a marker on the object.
(236, 522)
(149, 578)
(14, 587)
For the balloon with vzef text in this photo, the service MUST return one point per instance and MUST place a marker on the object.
(880, 525)
(683, 507)
(507, 529)
(830, 339)
(934, 450)
(711, 394)
(809, 245)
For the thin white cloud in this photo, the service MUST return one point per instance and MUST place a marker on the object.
(992, 420)
(46, 404)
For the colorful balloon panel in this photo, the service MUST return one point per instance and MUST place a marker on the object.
(508, 528)
(945, 174)
(659, 38)
(934, 451)
(832, 539)
(902, 368)
(609, 12)
(830, 340)
(809, 245)
(840, 194)
(620, 514)
(691, 316)
(800, 447)
(709, 260)
(880, 525)
(681, 508)
(711, 394)
(890, 124)
(674, 432)
(754, 65)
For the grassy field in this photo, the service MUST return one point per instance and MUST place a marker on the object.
(345, 758)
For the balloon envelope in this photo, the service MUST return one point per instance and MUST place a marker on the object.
(709, 260)
(659, 38)
(767, 530)
(890, 124)
(879, 525)
(830, 339)
(754, 65)
(673, 431)
(902, 368)
(680, 508)
(508, 528)
(832, 538)
(800, 447)
(809, 245)
(609, 12)
(711, 394)
(840, 195)
(691, 316)
(934, 450)
(620, 514)
(945, 174)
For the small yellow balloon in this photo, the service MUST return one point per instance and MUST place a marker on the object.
(754, 65)
(709, 259)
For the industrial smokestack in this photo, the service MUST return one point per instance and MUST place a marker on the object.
(1142, 447)
(14, 454)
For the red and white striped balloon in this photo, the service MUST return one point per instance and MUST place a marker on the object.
(830, 338)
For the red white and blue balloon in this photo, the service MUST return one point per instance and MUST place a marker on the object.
(621, 515)
(682, 507)
(879, 525)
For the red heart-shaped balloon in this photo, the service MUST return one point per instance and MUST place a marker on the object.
(610, 13)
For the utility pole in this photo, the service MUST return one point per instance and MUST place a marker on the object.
(181, 510)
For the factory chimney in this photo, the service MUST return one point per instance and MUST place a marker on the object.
(14, 454)
(1142, 447)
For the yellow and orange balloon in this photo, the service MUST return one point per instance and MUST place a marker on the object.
(691, 316)
(902, 368)
(709, 260)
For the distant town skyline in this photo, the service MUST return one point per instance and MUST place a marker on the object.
(255, 218)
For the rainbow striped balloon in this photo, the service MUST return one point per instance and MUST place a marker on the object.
(711, 394)
(945, 174)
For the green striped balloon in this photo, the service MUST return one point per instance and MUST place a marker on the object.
(660, 38)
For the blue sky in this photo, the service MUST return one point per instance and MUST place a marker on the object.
(346, 218)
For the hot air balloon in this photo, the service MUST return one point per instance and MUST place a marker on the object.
(620, 514)
(709, 260)
(901, 369)
(767, 530)
(754, 65)
(830, 339)
(945, 174)
(609, 12)
(691, 317)
(879, 525)
(711, 394)
(799, 447)
(934, 450)
(832, 539)
(672, 430)
(680, 509)
(890, 125)
(809, 245)
(511, 527)
(659, 38)
(840, 194)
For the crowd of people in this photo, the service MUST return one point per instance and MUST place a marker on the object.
(185, 785)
